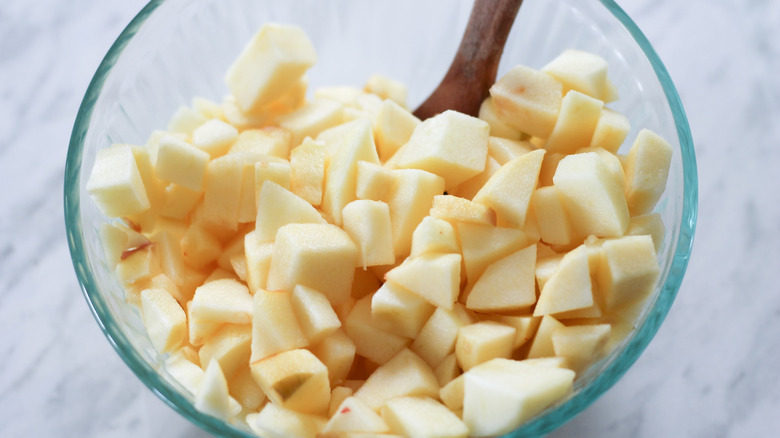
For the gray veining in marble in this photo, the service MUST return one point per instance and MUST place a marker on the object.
(712, 370)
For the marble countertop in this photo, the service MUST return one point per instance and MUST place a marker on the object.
(712, 370)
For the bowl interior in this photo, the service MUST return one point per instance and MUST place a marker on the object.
(175, 50)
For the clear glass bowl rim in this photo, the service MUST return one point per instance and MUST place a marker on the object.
(549, 421)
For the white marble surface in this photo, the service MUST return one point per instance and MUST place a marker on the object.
(712, 370)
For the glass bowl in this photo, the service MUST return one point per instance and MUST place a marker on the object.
(174, 50)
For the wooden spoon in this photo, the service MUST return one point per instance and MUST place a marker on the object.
(473, 71)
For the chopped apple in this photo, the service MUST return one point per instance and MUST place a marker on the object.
(554, 224)
(311, 119)
(275, 327)
(295, 380)
(368, 224)
(387, 88)
(611, 130)
(569, 287)
(277, 207)
(483, 245)
(164, 320)
(258, 261)
(648, 224)
(483, 341)
(199, 248)
(452, 394)
(576, 123)
(138, 265)
(222, 301)
(270, 64)
(434, 235)
(451, 144)
(393, 126)
(115, 183)
(181, 163)
(507, 284)
(473, 185)
(353, 415)
(337, 395)
(397, 310)
(337, 352)
(509, 190)
(215, 137)
(212, 396)
(581, 345)
(505, 150)
(404, 374)
(422, 417)
(374, 182)
(371, 341)
(542, 345)
(581, 71)
(628, 270)
(455, 209)
(270, 141)
(245, 390)
(434, 277)
(501, 394)
(185, 120)
(528, 100)
(647, 169)
(592, 197)
(498, 129)
(307, 164)
(274, 421)
(436, 339)
(320, 256)
(410, 203)
(314, 313)
(229, 346)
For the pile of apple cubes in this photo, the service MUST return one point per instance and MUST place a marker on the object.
(336, 266)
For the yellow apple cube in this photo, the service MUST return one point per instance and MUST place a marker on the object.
(434, 235)
(368, 224)
(581, 345)
(275, 327)
(320, 256)
(504, 150)
(551, 216)
(455, 209)
(387, 89)
(451, 144)
(542, 345)
(269, 140)
(278, 207)
(229, 346)
(393, 127)
(307, 166)
(473, 185)
(374, 182)
(483, 341)
(185, 120)
(399, 311)
(569, 287)
(581, 71)
(434, 277)
(410, 203)
(164, 319)
(483, 245)
(647, 169)
(528, 100)
(314, 313)
(337, 352)
(212, 396)
(576, 122)
(181, 163)
(311, 119)
(258, 261)
(436, 339)
(245, 390)
(629, 269)
(270, 64)
(422, 417)
(199, 248)
(648, 224)
(371, 342)
(611, 130)
(215, 137)
(509, 190)
(403, 375)
(507, 284)
(115, 182)
(592, 197)
(498, 129)
(222, 301)
(294, 380)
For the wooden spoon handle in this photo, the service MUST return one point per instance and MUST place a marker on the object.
(474, 68)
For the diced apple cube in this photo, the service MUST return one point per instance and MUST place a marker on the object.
(528, 100)
(387, 89)
(337, 352)
(436, 339)
(628, 271)
(507, 284)
(374, 182)
(592, 197)
(509, 190)
(434, 235)
(502, 394)
(576, 122)
(434, 277)
(181, 163)
(473, 185)
(212, 396)
(222, 191)
(582, 71)
(242, 120)
(320, 256)
(351, 142)
(542, 345)
(164, 320)
(451, 144)
(311, 119)
(115, 182)
(447, 370)
(258, 261)
(215, 137)
(524, 325)
(504, 150)
(483, 341)
(483, 245)
(185, 120)
(278, 207)
(352, 415)
(229, 346)
(648, 224)
(199, 248)
(269, 140)
(295, 380)
(314, 313)
(422, 417)
(274, 421)
(611, 130)
(399, 311)
(393, 127)
(270, 64)
(245, 390)
(368, 224)
(222, 301)
(569, 287)
(498, 129)
(410, 203)
(455, 209)
(647, 169)
(307, 165)
(371, 341)
(275, 327)
(178, 201)
(580, 345)
(554, 224)
(404, 374)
